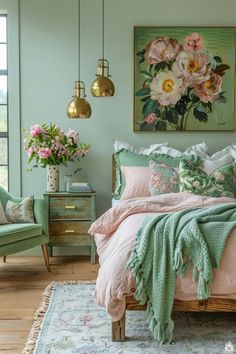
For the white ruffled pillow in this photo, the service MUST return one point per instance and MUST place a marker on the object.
(198, 149)
(120, 145)
(222, 157)
(209, 165)
(163, 148)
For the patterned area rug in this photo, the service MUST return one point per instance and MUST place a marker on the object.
(70, 322)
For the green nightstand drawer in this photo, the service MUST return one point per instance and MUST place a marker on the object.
(70, 208)
(69, 228)
(70, 240)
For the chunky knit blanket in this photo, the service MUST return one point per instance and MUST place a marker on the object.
(173, 242)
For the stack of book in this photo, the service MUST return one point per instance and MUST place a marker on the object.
(80, 187)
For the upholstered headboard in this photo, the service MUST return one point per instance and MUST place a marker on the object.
(113, 173)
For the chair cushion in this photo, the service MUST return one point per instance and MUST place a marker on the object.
(16, 232)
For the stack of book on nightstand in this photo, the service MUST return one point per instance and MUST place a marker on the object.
(80, 187)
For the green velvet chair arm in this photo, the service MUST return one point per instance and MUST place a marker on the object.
(40, 208)
(41, 214)
(5, 196)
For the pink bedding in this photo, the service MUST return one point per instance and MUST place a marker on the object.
(115, 233)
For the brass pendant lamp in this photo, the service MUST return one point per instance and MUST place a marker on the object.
(102, 86)
(79, 106)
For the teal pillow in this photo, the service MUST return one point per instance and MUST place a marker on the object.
(128, 158)
(219, 183)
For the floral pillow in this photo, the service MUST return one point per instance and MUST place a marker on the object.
(163, 179)
(219, 183)
(21, 212)
(3, 219)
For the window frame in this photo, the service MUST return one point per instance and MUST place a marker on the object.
(11, 8)
(5, 135)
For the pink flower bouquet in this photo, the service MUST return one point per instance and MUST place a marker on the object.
(179, 79)
(49, 145)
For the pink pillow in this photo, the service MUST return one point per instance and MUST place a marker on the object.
(136, 182)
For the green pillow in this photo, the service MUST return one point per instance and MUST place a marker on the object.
(129, 158)
(219, 183)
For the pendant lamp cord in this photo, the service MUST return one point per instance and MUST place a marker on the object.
(79, 38)
(102, 29)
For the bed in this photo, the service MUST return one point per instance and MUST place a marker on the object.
(115, 236)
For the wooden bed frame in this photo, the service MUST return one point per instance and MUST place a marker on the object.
(210, 305)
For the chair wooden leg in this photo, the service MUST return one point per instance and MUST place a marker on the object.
(4, 259)
(45, 255)
(118, 330)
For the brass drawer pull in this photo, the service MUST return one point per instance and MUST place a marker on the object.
(69, 206)
(69, 231)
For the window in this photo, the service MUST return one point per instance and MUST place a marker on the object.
(3, 103)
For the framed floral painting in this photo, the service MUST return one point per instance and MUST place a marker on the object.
(184, 78)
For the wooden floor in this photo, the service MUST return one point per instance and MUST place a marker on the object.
(22, 281)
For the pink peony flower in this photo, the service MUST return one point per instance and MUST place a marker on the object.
(192, 67)
(36, 130)
(167, 88)
(161, 49)
(44, 153)
(208, 90)
(74, 135)
(193, 42)
(150, 119)
(30, 150)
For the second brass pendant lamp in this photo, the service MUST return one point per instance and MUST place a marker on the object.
(79, 106)
(102, 86)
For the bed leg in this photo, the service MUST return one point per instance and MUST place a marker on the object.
(118, 330)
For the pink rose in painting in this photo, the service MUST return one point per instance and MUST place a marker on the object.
(151, 118)
(161, 49)
(44, 153)
(36, 130)
(208, 91)
(167, 88)
(193, 67)
(193, 42)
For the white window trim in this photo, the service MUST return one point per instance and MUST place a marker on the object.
(11, 8)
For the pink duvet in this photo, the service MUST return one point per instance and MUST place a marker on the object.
(115, 233)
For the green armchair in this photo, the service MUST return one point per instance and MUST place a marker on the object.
(19, 237)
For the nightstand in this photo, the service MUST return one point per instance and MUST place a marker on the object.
(69, 218)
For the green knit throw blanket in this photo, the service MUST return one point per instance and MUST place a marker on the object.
(173, 242)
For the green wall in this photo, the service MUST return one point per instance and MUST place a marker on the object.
(49, 66)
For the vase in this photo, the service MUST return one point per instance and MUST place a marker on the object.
(52, 178)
